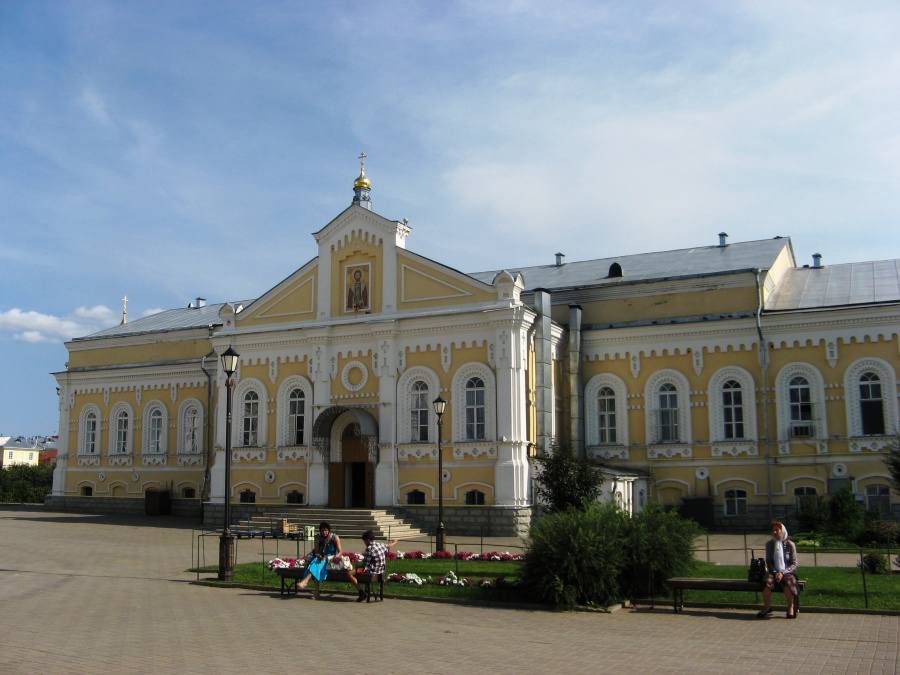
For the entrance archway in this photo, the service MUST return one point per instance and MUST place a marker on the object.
(348, 441)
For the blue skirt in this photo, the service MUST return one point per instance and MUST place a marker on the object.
(318, 568)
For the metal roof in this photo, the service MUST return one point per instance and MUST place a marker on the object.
(170, 319)
(685, 262)
(860, 283)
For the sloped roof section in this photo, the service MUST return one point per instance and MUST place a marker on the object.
(170, 319)
(685, 262)
(862, 283)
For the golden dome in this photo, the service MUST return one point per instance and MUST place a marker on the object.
(362, 181)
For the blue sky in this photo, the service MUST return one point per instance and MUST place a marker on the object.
(169, 150)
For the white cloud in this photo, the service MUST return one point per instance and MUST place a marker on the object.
(34, 327)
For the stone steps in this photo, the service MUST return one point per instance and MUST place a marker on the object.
(348, 523)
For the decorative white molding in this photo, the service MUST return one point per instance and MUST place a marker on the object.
(872, 444)
(831, 352)
(446, 360)
(698, 359)
(120, 460)
(273, 370)
(413, 452)
(735, 448)
(248, 455)
(476, 450)
(269, 477)
(669, 450)
(784, 448)
(293, 454)
(86, 460)
(607, 452)
(635, 363)
(190, 459)
(345, 375)
(155, 460)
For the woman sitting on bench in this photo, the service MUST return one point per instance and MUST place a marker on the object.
(781, 559)
(327, 549)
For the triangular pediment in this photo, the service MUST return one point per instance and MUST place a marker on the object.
(294, 299)
(423, 282)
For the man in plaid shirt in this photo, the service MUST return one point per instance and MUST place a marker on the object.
(373, 560)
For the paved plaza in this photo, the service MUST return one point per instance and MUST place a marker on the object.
(100, 594)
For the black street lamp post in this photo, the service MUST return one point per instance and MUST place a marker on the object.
(439, 405)
(226, 541)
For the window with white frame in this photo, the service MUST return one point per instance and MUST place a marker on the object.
(800, 393)
(871, 409)
(294, 400)
(667, 396)
(733, 410)
(416, 389)
(878, 499)
(667, 413)
(605, 398)
(871, 405)
(190, 427)
(732, 414)
(296, 416)
(475, 409)
(735, 502)
(156, 440)
(606, 415)
(473, 401)
(250, 419)
(89, 438)
(120, 436)
(419, 409)
(805, 497)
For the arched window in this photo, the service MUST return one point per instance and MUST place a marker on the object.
(90, 434)
(250, 419)
(878, 499)
(120, 436)
(415, 497)
(474, 498)
(247, 496)
(191, 428)
(189, 493)
(805, 497)
(735, 502)
(667, 426)
(296, 416)
(733, 410)
(871, 405)
(419, 407)
(606, 415)
(155, 439)
(293, 497)
(475, 409)
(801, 409)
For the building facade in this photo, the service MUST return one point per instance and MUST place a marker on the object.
(724, 380)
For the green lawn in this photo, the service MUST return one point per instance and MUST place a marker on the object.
(828, 587)
(838, 587)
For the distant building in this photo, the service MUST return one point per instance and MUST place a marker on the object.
(725, 380)
(18, 451)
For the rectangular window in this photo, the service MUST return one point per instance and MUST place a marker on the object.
(735, 502)
(733, 411)
(668, 414)
(606, 415)
(419, 414)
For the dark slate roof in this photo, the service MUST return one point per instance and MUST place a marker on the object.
(862, 283)
(687, 262)
(170, 319)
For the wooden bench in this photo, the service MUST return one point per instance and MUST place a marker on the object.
(291, 576)
(679, 584)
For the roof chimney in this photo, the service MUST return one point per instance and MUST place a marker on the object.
(817, 260)
(723, 239)
(198, 303)
(560, 259)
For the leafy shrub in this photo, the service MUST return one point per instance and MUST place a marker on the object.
(576, 557)
(25, 484)
(874, 563)
(661, 541)
(844, 514)
(813, 514)
(879, 533)
(564, 481)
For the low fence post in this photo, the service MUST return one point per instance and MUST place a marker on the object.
(707, 546)
(746, 561)
(862, 568)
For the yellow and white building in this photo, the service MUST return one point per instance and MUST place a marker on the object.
(722, 379)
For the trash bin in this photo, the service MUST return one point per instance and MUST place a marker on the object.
(157, 503)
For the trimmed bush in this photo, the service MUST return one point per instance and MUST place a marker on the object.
(577, 557)
(661, 541)
(874, 563)
(21, 483)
